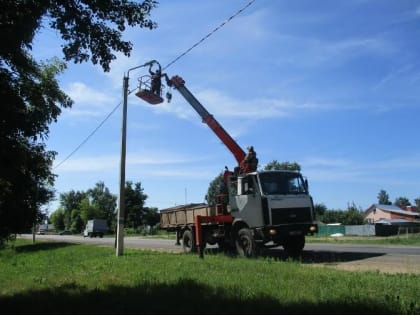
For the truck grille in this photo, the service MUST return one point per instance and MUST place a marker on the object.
(290, 215)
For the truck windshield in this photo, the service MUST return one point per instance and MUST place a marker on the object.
(282, 183)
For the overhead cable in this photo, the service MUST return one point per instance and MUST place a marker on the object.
(167, 66)
(209, 34)
(88, 137)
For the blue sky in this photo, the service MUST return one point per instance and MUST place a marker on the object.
(332, 85)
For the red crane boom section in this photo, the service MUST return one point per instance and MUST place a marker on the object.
(214, 125)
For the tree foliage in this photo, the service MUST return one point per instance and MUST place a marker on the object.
(319, 209)
(71, 202)
(80, 206)
(383, 198)
(91, 30)
(216, 187)
(135, 199)
(402, 202)
(352, 216)
(103, 201)
(28, 106)
(276, 165)
(151, 216)
(57, 218)
(88, 211)
(30, 94)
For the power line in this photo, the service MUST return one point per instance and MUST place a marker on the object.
(209, 34)
(88, 137)
(167, 66)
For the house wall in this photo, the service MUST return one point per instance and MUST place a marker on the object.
(377, 215)
(401, 216)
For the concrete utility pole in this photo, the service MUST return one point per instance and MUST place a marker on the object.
(121, 200)
(119, 241)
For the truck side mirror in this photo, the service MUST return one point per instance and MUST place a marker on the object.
(306, 185)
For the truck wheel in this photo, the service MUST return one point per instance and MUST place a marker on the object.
(188, 242)
(294, 245)
(245, 243)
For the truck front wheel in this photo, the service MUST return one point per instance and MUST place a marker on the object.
(188, 242)
(245, 243)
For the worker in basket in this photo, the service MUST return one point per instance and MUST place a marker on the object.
(156, 83)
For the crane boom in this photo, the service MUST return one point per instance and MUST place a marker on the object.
(208, 119)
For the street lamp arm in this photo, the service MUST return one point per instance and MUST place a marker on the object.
(143, 65)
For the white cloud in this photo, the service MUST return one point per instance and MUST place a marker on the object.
(223, 106)
(88, 102)
(111, 162)
(325, 169)
(83, 94)
(393, 75)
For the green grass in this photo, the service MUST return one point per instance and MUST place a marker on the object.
(60, 278)
(410, 239)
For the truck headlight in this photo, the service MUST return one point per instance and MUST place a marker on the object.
(312, 229)
(272, 232)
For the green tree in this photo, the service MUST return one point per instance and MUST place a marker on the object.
(30, 94)
(332, 216)
(135, 199)
(76, 221)
(88, 211)
(353, 215)
(70, 202)
(276, 165)
(402, 202)
(105, 202)
(383, 198)
(151, 216)
(216, 187)
(57, 218)
(320, 210)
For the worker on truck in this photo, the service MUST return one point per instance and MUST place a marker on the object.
(250, 161)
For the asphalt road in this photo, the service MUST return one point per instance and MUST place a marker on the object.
(382, 258)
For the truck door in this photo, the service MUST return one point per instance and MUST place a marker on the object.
(245, 201)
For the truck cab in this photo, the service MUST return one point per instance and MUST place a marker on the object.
(274, 205)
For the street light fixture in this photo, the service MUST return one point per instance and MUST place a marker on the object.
(121, 201)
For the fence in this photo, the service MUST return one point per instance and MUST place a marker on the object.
(360, 230)
(325, 230)
(367, 230)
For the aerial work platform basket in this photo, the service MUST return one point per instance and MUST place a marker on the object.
(149, 97)
(144, 91)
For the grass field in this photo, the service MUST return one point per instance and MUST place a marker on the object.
(61, 278)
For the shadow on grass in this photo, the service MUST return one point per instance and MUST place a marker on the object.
(41, 246)
(183, 297)
(311, 256)
(308, 256)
